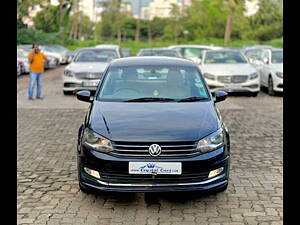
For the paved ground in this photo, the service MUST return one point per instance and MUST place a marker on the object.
(47, 179)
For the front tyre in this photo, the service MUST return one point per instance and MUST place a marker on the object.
(254, 94)
(271, 91)
(68, 92)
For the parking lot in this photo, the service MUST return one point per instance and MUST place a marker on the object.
(48, 192)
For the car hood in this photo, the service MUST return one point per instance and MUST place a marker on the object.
(78, 67)
(144, 122)
(228, 69)
(278, 67)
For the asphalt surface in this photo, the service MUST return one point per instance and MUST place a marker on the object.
(48, 193)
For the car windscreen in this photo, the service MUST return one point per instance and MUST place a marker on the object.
(193, 52)
(152, 82)
(277, 57)
(95, 55)
(168, 53)
(216, 57)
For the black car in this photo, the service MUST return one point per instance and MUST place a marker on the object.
(153, 126)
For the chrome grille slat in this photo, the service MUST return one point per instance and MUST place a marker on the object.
(160, 156)
(168, 149)
(88, 76)
(233, 79)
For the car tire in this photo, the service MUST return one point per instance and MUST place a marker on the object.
(271, 91)
(68, 92)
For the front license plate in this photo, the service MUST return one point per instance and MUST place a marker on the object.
(154, 168)
(232, 86)
(90, 83)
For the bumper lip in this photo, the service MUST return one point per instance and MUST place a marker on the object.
(161, 184)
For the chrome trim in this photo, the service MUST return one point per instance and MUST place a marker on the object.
(161, 185)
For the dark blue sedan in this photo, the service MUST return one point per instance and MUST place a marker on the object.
(153, 126)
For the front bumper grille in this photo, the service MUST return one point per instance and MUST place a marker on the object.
(88, 76)
(168, 150)
(236, 79)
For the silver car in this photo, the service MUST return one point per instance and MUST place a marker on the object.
(86, 69)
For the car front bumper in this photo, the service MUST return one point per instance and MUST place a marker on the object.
(248, 86)
(114, 175)
(278, 84)
(74, 84)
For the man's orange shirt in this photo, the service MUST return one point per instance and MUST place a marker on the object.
(37, 64)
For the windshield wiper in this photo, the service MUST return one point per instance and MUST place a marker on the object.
(149, 99)
(192, 99)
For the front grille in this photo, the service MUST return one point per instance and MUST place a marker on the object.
(233, 79)
(168, 149)
(88, 76)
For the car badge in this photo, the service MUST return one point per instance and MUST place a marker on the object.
(154, 150)
(155, 93)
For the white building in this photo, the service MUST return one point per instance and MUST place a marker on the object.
(159, 8)
(251, 7)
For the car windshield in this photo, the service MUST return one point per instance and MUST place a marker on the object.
(193, 52)
(150, 83)
(277, 56)
(169, 53)
(216, 57)
(95, 55)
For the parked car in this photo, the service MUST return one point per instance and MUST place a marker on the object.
(193, 52)
(48, 51)
(159, 52)
(22, 58)
(62, 51)
(51, 62)
(269, 63)
(153, 126)
(86, 69)
(229, 70)
(125, 52)
(19, 68)
(117, 48)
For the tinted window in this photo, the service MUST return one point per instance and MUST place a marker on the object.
(159, 53)
(95, 55)
(193, 52)
(224, 57)
(124, 83)
(277, 56)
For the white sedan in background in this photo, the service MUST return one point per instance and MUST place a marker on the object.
(229, 70)
(86, 69)
(269, 63)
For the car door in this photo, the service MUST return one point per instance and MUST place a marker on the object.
(265, 67)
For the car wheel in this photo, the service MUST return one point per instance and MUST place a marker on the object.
(68, 92)
(271, 91)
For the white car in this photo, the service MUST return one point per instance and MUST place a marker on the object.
(269, 63)
(107, 46)
(86, 69)
(193, 52)
(22, 57)
(229, 70)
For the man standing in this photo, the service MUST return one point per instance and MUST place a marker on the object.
(36, 61)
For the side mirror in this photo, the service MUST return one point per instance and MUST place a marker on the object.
(84, 96)
(220, 96)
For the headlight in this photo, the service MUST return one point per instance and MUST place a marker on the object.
(279, 74)
(253, 76)
(211, 142)
(69, 73)
(96, 141)
(209, 76)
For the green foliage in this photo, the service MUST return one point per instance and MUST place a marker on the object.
(29, 36)
(47, 20)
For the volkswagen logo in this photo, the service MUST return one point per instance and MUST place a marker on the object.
(154, 150)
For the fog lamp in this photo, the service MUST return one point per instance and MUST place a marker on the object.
(214, 173)
(93, 173)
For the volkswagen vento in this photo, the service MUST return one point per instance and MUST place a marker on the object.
(152, 126)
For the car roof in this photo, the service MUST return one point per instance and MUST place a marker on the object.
(152, 60)
(194, 46)
(107, 46)
(157, 49)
